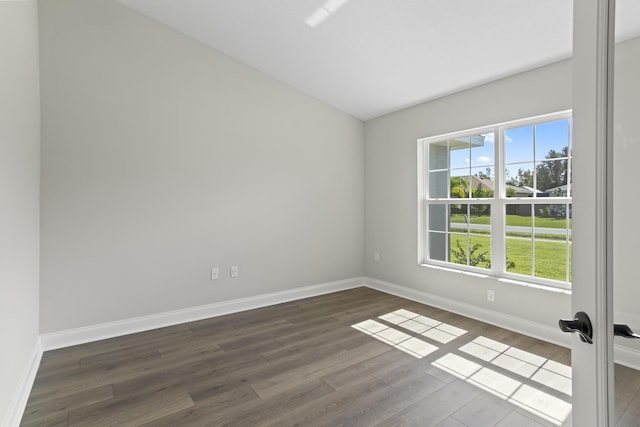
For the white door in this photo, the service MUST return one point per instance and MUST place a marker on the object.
(604, 125)
(592, 223)
(626, 149)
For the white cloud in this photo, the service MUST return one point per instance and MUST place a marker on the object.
(489, 137)
(483, 159)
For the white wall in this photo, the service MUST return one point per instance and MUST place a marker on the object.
(19, 199)
(163, 158)
(391, 188)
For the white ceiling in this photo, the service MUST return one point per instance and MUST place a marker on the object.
(372, 57)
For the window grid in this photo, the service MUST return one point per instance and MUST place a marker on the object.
(498, 203)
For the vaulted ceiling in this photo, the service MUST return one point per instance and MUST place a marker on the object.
(371, 57)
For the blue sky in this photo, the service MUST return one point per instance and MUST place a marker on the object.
(519, 148)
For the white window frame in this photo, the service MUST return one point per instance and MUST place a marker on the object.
(498, 203)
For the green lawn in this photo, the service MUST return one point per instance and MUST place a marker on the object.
(525, 221)
(515, 220)
(550, 256)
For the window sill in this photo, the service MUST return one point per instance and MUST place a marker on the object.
(502, 279)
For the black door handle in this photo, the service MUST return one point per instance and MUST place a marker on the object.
(624, 331)
(581, 325)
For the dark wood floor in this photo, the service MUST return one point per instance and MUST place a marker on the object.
(328, 360)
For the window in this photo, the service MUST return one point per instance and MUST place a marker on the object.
(498, 200)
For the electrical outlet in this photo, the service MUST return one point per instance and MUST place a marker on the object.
(376, 256)
(215, 273)
(234, 271)
(491, 295)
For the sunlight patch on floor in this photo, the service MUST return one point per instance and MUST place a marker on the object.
(396, 338)
(519, 362)
(423, 325)
(411, 322)
(497, 368)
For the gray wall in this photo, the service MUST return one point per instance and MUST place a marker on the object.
(391, 188)
(163, 158)
(19, 195)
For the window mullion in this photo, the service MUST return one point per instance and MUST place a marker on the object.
(497, 209)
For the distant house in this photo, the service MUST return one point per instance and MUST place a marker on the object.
(484, 183)
(560, 191)
(488, 184)
(524, 191)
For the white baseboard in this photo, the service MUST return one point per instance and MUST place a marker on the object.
(19, 401)
(623, 355)
(626, 356)
(506, 321)
(102, 331)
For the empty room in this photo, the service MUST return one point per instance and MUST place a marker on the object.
(319, 213)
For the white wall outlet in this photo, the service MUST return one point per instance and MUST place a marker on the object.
(376, 256)
(234, 271)
(215, 273)
(491, 295)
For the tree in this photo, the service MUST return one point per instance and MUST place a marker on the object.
(476, 259)
(459, 187)
(484, 175)
(548, 174)
(553, 173)
(476, 256)
(524, 178)
(482, 192)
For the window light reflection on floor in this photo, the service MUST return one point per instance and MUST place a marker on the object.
(526, 365)
(478, 362)
(412, 322)
(395, 338)
(523, 363)
(423, 325)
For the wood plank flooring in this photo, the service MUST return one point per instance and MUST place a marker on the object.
(323, 361)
